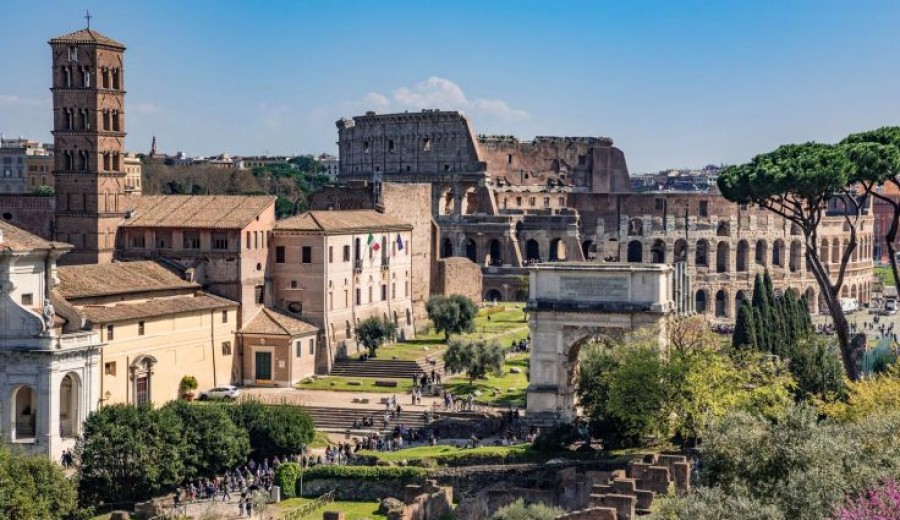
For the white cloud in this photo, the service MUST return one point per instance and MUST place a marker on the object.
(437, 92)
(144, 108)
(9, 100)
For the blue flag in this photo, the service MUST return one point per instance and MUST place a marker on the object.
(399, 242)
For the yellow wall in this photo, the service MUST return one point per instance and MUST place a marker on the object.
(186, 344)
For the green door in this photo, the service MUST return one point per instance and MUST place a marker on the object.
(263, 367)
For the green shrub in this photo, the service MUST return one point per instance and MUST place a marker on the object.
(519, 510)
(366, 472)
(286, 477)
(274, 430)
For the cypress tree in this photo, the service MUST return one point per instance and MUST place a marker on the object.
(745, 328)
(761, 313)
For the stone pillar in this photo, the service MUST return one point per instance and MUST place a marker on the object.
(47, 423)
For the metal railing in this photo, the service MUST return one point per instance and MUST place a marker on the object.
(307, 508)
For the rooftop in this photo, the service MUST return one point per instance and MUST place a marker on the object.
(85, 281)
(275, 322)
(13, 238)
(87, 36)
(154, 308)
(343, 221)
(197, 211)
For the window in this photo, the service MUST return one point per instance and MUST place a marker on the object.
(279, 254)
(426, 144)
(359, 297)
(582, 160)
(307, 254)
(370, 295)
(191, 240)
(532, 201)
(226, 348)
(383, 292)
(248, 240)
(298, 347)
(109, 368)
(518, 201)
(509, 159)
(259, 294)
(393, 289)
(73, 53)
(28, 299)
(137, 241)
(141, 328)
(312, 346)
(365, 146)
(110, 333)
(346, 253)
(546, 202)
(220, 242)
(660, 204)
(293, 284)
(224, 316)
(391, 145)
(704, 208)
(330, 254)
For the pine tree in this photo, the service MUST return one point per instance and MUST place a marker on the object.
(745, 328)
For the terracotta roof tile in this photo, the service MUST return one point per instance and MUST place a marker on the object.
(84, 281)
(196, 211)
(343, 221)
(13, 238)
(153, 308)
(87, 36)
(275, 322)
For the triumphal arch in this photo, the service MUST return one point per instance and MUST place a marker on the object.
(570, 304)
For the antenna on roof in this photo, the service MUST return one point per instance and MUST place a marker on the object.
(87, 16)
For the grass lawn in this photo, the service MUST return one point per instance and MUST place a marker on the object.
(507, 389)
(445, 451)
(367, 384)
(886, 275)
(352, 510)
(413, 349)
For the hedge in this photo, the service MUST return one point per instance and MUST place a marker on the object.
(286, 477)
(365, 472)
(487, 311)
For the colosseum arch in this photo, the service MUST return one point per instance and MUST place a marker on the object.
(495, 253)
(680, 252)
(796, 255)
(723, 253)
(532, 251)
(743, 251)
(811, 300)
(658, 252)
(635, 251)
(446, 248)
(588, 249)
(701, 301)
(557, 250)
(739, 298)
(823, 251)
(778, 253)
(835, 251)
(721, 304)
(471, 250)
(762, 252)
(701, 255)
(853, 292)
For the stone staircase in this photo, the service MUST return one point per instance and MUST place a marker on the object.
(340, 420)
(385, 368)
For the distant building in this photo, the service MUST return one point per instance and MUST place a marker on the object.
(260, 161)
(16, 155)
(133, 170)
(331, 163)
(40, 169)
(337, 268)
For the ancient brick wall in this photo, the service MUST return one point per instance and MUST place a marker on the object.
(455, 275)
(29, 212)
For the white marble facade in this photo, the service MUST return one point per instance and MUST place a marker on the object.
(49, 381)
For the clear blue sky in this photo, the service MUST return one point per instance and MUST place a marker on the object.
(675, 84)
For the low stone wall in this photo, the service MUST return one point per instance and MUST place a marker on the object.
(355, 489)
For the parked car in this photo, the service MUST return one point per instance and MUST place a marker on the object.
(849, 305)
(227, 393)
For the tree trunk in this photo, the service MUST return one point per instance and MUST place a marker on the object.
(889, 239)
(832, 301)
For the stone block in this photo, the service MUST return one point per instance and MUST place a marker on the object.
(644, 499)
(681, 473)
(601, 489)
(623, 504)
(624, 486)
(637, 469)
(656, 479)
(333, 515)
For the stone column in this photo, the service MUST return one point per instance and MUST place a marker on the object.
(47, 424)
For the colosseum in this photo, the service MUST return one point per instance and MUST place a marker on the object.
(505, 204)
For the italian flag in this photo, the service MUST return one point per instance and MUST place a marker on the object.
(371, 242)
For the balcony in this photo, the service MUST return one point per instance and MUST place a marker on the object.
(357, 265)
(385, 263)
(76, 340)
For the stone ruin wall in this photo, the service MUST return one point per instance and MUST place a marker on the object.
(456, 275)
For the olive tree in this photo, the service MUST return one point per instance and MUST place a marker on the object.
(802, 183)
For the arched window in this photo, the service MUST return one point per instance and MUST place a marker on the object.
(532, 251)
(743, 251)
(471, 250)
(495, 255)
(700, 302)
(723, 251)
(778, 253)
(796, 254)
(25, 414)
(658, 252)
(557, 250)
(762, 252)
(701, 257)
(141, 379)
(721, 299)
(586, 247)
(681, 250)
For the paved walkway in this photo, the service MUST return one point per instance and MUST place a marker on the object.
(335, 399)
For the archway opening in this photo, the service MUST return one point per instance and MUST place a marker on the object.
(721, 300)
(446, 248)
(658, 252)
(532, 251)
(25, 413)
(701, 256)
(495, 256)
(588, 250)
(471, 251)
(700, 302)
(493, 295)
(680, 250)
(739, 299)
(722, 252)
(796, 254)
(811, 300)
(743, 251)
(778, 253)
(557, 250)
(68, 407)
(635, 251)
(761, 252)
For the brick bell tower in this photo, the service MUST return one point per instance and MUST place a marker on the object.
(89, 144)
